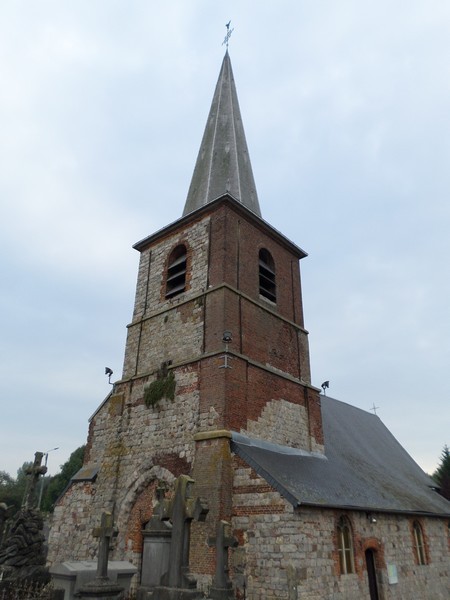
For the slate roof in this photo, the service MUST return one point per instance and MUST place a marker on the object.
(223, 163)
(364, 467)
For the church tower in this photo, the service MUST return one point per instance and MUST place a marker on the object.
(219, 296)
(216, 345)
(216, 388)
(219, 304)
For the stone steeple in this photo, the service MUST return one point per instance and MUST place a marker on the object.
(223, 163)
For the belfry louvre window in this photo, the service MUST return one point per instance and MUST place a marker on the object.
(419, 544)
(176, 272)
(345, 546)
(267, 286)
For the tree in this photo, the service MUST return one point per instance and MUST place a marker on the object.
(5, 480)
(442, 474)
(60, 481)
(12, 490)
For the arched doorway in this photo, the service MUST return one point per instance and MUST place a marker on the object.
(372, 574)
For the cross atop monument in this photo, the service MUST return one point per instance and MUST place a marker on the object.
(105, 532)
(222, 588)
(181, 510)
(102, 586)
(33, 473)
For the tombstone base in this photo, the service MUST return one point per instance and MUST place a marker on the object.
(166, 593)
(100, 588)
(216, 593)
(145, 593)
(36, 574)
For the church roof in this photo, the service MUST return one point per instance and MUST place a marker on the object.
(364, 467)
(223, 163)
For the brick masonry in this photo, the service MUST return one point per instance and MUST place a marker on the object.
(267, 393)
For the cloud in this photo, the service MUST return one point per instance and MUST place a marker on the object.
(345, 108)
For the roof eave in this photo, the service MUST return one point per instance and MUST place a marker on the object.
(237, 206)
(374, 509)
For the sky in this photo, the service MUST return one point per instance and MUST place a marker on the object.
(346, 111)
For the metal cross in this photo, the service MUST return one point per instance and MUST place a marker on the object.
(374, 408)
(229, 32)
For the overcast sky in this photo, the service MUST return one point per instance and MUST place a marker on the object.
(346, 111)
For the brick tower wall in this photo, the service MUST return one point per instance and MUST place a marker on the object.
(266, 392)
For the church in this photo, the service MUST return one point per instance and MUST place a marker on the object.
(321, 500)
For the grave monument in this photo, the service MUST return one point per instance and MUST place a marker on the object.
(23, 553)
(102, 586)
(222, 588)
(178, 583)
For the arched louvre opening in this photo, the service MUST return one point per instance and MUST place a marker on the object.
(267, 285)
(176, 272)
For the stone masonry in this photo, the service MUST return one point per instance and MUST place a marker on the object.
(202, 276)
(266, 391)
(291, 554)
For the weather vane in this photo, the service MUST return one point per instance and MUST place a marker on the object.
(229, 32)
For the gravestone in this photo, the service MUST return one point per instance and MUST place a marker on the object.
(102, 586)
(178, 583)
(23, 553)
(221, 588)
(155, 556)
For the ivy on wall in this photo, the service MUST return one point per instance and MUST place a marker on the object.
(162, 387)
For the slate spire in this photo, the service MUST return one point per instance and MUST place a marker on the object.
(223, 163)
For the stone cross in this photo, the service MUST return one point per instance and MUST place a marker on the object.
(102, 587)
(181, 510)
(105, 533)
(223, 540)
(33, 473)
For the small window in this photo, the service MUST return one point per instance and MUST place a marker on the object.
(419, 545)
(176, 272)
(267, 286)
(345, 546)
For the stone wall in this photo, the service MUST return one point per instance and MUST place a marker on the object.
(291, 554)
(133, 445)
(266, 391)
(282, 423)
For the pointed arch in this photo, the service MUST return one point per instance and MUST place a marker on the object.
(345, 546)
(420, 550)
(149, 475)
